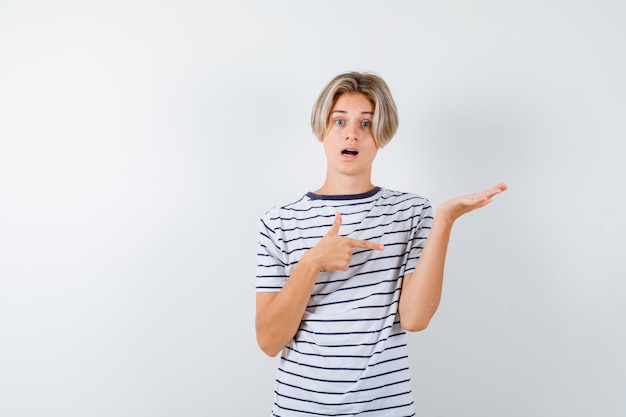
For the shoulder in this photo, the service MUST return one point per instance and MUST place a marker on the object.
(403, 196)
(287, 208)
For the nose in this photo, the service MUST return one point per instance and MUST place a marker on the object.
(351, 131)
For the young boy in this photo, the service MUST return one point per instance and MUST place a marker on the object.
(345, 271)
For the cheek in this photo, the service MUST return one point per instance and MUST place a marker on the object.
(327, 146)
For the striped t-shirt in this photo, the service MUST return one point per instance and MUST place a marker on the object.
(349, 355)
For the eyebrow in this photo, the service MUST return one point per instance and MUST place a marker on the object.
(344, 111)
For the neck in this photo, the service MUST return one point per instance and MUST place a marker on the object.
(345, 186)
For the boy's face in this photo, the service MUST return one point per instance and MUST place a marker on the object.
(349, 141)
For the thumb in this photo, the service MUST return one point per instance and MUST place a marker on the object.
(334, 229)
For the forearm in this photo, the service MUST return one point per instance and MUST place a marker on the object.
(278, 321)
(421, 290)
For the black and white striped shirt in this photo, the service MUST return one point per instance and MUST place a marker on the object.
(349, 355)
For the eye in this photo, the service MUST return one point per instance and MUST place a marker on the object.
(340, 122)
(366, 123)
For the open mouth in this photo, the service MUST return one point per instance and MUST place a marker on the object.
(350, 152)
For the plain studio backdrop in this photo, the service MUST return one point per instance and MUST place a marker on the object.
(142, 141)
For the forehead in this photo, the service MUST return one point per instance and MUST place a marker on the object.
(357, 102)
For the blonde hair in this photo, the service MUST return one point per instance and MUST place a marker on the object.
(385, 120)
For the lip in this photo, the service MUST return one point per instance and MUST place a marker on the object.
(348, 156)
(353, 152)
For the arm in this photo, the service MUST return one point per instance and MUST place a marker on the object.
(278, 314)
(421, 289)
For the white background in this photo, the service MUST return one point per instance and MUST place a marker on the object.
(140, 141)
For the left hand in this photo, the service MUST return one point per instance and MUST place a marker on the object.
(455, 208)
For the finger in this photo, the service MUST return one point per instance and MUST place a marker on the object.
(494, 190)
(499, 188)
(366, 244)
(334, 229)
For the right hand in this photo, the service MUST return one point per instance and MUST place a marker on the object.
(333, 252)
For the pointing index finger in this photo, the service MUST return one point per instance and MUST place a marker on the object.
(366, 244)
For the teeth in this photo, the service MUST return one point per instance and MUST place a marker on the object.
(349, 152)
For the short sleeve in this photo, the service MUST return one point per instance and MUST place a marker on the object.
(424, 220)
(271, 272)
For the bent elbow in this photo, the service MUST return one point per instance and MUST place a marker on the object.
(269, 349)
(271, 352)
(414, 325)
